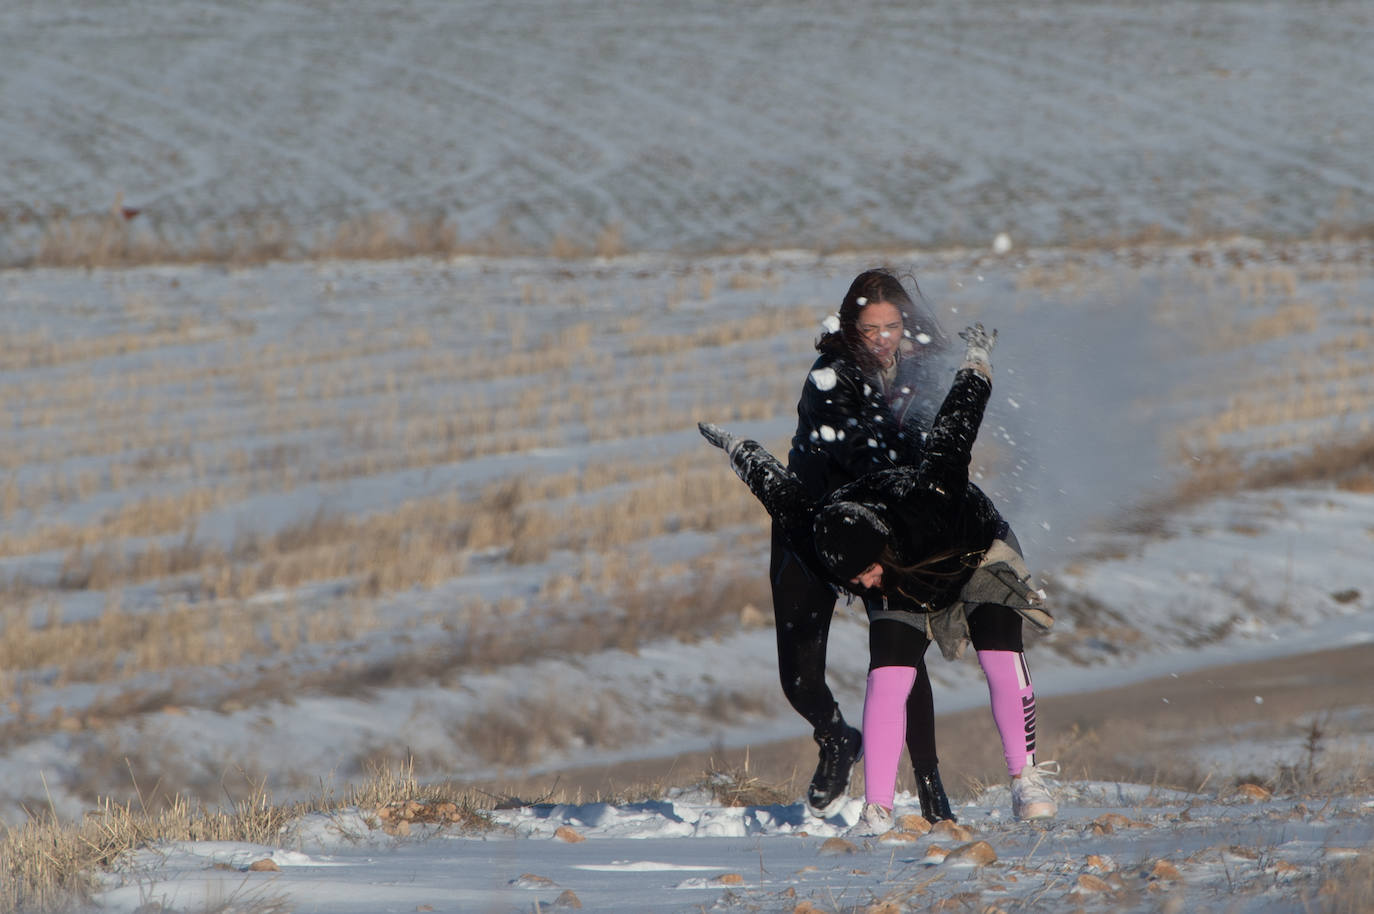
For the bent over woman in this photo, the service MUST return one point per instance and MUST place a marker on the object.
(935, 561)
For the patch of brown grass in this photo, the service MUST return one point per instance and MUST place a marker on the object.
(50, 865)
(1347, 888)
(1345, 464)
(735, 786)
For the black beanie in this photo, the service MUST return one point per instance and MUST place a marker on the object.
(849, 537)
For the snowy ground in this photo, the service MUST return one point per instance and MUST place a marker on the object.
(1116, 847)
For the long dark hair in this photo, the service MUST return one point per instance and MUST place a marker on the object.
(920, 333)
(928, 576)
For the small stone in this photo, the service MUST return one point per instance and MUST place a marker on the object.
(1253, 792)
(1117, 820)
(565, 833)
(936, 854)
(1093, 885)
(977, 853)
(836, 846)
(730, 879)
(914, 823)
(1101, 863)
(424, 907)
(265, 865)
(1165, 870)
(896, 836)
(948, 828)
(531, 881)
(568, 899)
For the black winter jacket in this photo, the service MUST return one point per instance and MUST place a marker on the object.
(939, 520)
(846, 427)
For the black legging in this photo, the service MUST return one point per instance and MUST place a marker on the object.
(803, 606)
(992, 627)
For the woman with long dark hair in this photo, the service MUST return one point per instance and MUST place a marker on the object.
(865, 406)
(934, 561)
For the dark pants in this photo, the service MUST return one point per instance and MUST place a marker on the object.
(992, 627)
(803, 606)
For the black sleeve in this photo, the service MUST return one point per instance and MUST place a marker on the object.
(949, 449)
(784, 498)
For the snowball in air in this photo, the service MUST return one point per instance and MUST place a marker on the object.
(1002, 243)
(823, 378)
(827, 433)
(831, 324)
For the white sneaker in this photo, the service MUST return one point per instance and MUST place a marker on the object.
(1030, 795)
(875, 821)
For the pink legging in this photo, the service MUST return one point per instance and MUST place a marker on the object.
(1013, 705)
(1013, 711)
(885, 730)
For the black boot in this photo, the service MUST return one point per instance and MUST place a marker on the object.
(839, 752)
(934, 803)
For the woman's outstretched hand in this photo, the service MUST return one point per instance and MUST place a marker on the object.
(718, 436)
(978, 355)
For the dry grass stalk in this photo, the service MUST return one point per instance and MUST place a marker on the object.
(734, 786)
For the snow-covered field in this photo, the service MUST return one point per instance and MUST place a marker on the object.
(278, 524)
(690, 126)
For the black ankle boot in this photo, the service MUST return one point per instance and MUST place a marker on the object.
(934, 803)
(839, 752)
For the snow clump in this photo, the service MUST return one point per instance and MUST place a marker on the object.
(823, 378)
